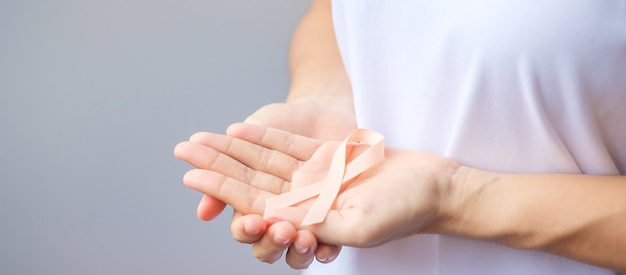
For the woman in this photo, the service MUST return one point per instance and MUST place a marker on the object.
(518, 104)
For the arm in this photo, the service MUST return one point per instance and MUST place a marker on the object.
(582, 217)
(319, 103)
(316, 68)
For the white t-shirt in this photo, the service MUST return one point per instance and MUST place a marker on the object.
(503, 85)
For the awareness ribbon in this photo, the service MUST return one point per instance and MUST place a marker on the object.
(341, 170)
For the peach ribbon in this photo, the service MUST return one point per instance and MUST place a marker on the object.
(342, 169)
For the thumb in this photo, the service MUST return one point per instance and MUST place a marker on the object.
(254, 119)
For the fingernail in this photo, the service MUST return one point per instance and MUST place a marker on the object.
(326, 260)
(251, 231)
(302, 250)
(281, 240)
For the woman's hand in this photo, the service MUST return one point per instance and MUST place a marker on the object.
(396, 198)
(319, 106)
(307, 118)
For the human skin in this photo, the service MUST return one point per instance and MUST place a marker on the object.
(578, 216)
(319, 105)
(585, 223)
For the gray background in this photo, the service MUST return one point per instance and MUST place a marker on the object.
(94, 94)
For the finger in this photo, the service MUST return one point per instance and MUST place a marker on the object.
(242, 197)
(204, 157)
(302, 251)
(255, 156)
(299, 147)
(278, 238)
(209, 208)
(326, 253)
(247, 228)
(331, 230)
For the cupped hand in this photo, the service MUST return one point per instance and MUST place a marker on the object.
(306, 118)
(309, 119)
(398, 197)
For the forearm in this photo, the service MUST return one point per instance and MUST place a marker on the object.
(582, 217)
(316, 68)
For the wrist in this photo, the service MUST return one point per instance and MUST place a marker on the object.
(464, 210)
(333, 99)
(322, 86)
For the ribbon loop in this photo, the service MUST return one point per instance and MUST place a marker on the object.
(339, 173)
